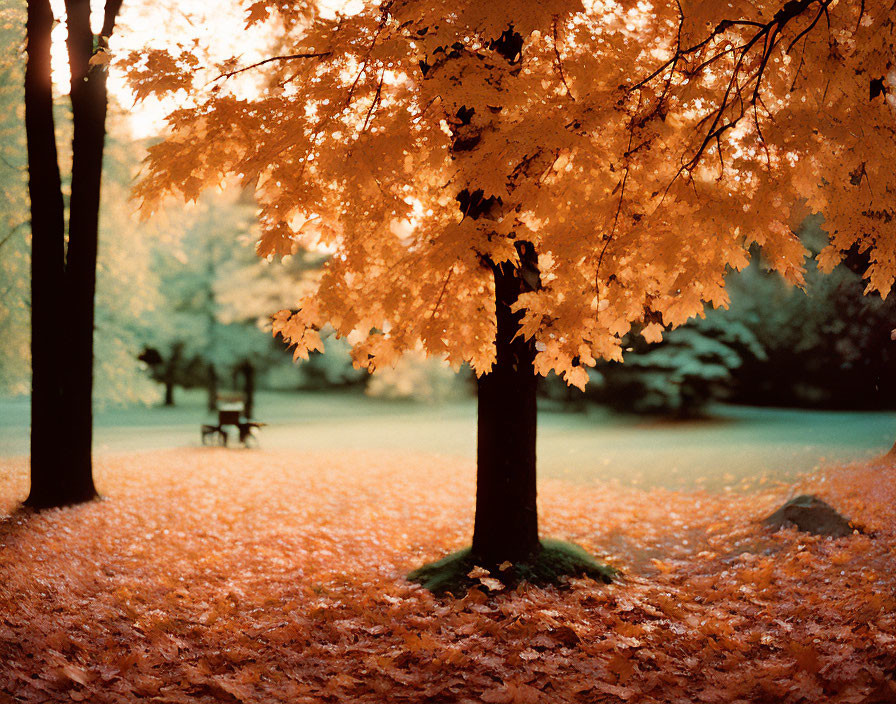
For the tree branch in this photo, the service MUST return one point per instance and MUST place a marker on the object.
(271, 59)
(767, 37)
(560, 64)
(435, 309)
(12, 233)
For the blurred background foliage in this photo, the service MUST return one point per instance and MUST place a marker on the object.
(826, 347)
(14, 260)
(182, 301)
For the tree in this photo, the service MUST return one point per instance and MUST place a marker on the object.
(14, 263)
(124, 289)
(828, 346)
(205, 323)
(514, 185)
(64, 269)
(692, 366)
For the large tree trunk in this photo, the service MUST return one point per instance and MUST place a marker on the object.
(51, 483)
(506, 526)
(88, 96)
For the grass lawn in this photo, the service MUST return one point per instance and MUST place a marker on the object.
(738, 446)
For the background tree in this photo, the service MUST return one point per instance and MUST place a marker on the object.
(692, 366)
(14, 259)
(826, 347)
(206, 329)
(64, 268)
(514, 185)
(124, 289)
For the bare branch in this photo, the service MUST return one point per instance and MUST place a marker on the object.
(435, 309)
(271, 59)
(734, 102)
(376, 100)
(822, 11)
(560, 64)
(12, 233)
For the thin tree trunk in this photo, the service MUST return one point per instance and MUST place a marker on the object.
(169, 376)
(212, 380)
(249, 388)
(506, 525)
(49, 479)
(170, 373)
(169, 390)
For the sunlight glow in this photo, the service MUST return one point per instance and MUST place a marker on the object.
(138, 27)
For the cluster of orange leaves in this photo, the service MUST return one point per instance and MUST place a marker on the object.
(258, 576)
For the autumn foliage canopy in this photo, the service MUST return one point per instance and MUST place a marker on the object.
(641, 148)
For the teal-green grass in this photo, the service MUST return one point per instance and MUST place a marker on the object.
(736, 445)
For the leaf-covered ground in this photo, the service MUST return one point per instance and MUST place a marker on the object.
(258, 576)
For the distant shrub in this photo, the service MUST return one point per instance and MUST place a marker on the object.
(692, 366)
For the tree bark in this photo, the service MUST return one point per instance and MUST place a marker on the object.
(50, 482)
(88, 97)
(506, 525)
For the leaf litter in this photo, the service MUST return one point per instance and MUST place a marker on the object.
(209, 575)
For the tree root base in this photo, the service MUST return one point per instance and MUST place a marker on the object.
(553, 565)
(44, 501)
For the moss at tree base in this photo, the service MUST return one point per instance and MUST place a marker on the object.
(557, 559)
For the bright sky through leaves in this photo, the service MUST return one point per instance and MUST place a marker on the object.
(139, 25)
(221, 26)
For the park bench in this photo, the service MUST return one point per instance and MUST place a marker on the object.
(231, 416)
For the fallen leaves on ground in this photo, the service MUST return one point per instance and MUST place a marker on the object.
(212, 575)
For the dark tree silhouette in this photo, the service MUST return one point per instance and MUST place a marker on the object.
(64, 276)
(246, 370)
(506, 526)
(49, 483)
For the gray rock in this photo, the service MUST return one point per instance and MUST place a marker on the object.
(810, 515)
